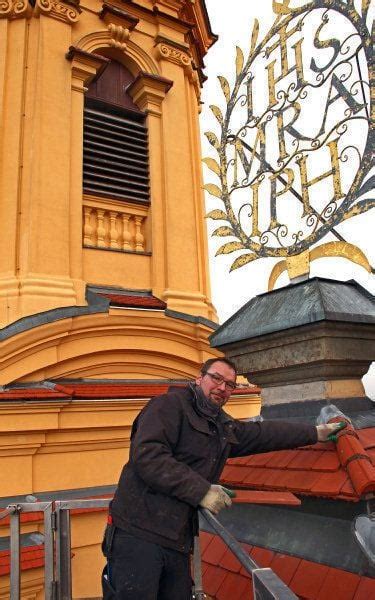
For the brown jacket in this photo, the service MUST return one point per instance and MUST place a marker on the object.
(175, 455)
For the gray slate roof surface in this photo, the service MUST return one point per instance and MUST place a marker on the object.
(303, 303)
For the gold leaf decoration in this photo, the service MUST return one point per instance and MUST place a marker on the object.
(230, 247)
(223, 231)
(212, 138)
(217, 112)
(224, 86)
(243, 260)
(213, 189)
(212, 165)
(217, 215)
(239, 60)
(254, 35)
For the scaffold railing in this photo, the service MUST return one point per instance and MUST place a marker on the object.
(57, 551)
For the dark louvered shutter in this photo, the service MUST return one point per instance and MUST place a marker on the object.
(115, 144)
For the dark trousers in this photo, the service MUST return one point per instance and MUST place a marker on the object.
(140, 570)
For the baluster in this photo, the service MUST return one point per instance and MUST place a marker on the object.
(113, 233)
(100, 229)
(139, 238)
(126, 235)
(87, 228)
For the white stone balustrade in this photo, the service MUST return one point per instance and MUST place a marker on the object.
(114, 225)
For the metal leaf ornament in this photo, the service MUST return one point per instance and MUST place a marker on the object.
(213, 189)
(217, 112)
(217, 215)
(212, 164)
(212, 138)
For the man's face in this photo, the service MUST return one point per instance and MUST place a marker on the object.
(218, 383)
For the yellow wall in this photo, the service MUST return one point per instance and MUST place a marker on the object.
(42, 262)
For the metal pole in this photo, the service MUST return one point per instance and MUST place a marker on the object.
(267, 586)
(48, 553)
(63, 549)
(15, 579)
(197, 570)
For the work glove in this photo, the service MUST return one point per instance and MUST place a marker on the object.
(215, 499)
(327, 431)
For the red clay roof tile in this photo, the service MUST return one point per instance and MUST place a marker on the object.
(204, 539)
(371, 453)
(305, 459)
(213, 578)
(367, 437)
(260, 460)
(285, 566)
(131, 300)
(97, 390)
(349, 446)
(256, 477)
(230, 562)
(339, 584)
(262, 556)
(328, 461)
(234, 587)
(242, 460)
(362, 475)
(30, 394)
(308, 579)
(235, 473)
(262, 497)
(329, 484)
(282, 459)
(31, 557)
(312, 470)
(215, 551)
(365, 589)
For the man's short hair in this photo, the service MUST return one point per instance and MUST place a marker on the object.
(206, 365)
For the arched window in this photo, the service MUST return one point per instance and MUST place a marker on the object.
(115, 145)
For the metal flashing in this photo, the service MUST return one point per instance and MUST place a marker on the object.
(305, 303)
(191, 318)
(298, 532)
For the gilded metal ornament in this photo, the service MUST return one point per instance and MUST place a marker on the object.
(294, 162)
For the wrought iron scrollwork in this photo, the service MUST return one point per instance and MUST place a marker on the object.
(248, 170)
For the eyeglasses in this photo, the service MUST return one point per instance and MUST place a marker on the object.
(219, 380)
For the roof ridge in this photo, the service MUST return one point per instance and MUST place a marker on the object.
(355, 459)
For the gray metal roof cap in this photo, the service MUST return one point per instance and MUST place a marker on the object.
(307, 302)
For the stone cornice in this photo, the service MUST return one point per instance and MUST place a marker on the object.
(178, 53)
(172, 5)
(13, 9)
(183, 25)
(67, 12)
(173, 51)
(112, 14)
(85, 66)
(148, 91)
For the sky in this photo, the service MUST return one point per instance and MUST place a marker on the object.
(233, 22)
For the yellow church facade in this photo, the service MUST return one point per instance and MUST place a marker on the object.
(104, 287)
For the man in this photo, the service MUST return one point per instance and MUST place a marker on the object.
(179, 445)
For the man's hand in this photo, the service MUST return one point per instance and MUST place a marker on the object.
(215, 499)
(326, 431)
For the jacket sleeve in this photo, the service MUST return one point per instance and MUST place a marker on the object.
(152, 452)
(265, 436)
